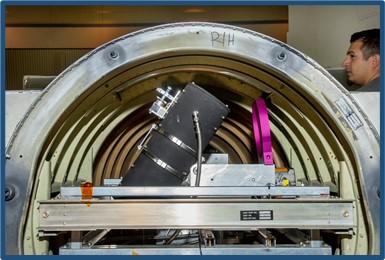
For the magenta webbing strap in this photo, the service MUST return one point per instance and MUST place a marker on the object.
(256, 130)
(261, 129)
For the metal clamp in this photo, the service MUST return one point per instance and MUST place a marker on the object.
(163, 164)
(176, 140)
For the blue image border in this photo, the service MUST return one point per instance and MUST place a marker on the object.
(6, 3)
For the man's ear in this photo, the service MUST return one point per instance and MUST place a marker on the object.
(375, 60)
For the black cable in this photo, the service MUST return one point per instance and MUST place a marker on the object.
(198, 133)
(172, 237)
(200, 241)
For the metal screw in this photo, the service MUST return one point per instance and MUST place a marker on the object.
(9, 193)
(346, 214)
(281, 56)
(114, 54)
(45, 214)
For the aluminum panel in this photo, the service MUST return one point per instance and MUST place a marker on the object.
(241, 214)
(140, 191)
(236, 175)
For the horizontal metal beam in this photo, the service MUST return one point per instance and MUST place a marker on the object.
(225, 214)
(70, 192)
(217, 250)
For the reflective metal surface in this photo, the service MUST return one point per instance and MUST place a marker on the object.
(226, 214)
(69, 192)
(16, 105)
(236, 175)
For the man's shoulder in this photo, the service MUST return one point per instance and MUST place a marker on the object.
(373, 85)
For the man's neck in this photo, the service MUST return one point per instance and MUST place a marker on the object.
(373, 77)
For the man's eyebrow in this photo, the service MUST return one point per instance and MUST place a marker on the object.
(350, 52)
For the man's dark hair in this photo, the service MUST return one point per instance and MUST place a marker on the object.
(371, 41)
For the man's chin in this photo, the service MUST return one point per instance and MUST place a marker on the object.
(348, 78)
(349, 82)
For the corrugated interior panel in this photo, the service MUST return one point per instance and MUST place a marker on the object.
(44, 40)
(44, 62)
(86, 37)
(143, 16)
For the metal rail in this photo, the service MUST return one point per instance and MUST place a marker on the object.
(223, 214)
(71, 192)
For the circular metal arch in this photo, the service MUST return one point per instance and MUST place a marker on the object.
(99, 91)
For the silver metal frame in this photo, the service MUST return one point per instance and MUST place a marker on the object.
(140, 191)
(223, 214)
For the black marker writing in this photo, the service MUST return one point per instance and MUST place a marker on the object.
(224, 39)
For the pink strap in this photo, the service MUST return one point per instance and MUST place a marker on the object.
(261, 129)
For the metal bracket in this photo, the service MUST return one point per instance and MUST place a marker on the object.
(208, 238)
(92, 237)
(145, 139)
(163, 103)
(266, 238)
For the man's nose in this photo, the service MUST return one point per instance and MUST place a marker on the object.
(345, 62)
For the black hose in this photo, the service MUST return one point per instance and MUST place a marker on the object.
(199, 152)
(198, 133)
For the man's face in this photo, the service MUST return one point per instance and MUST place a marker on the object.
(358, 70)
